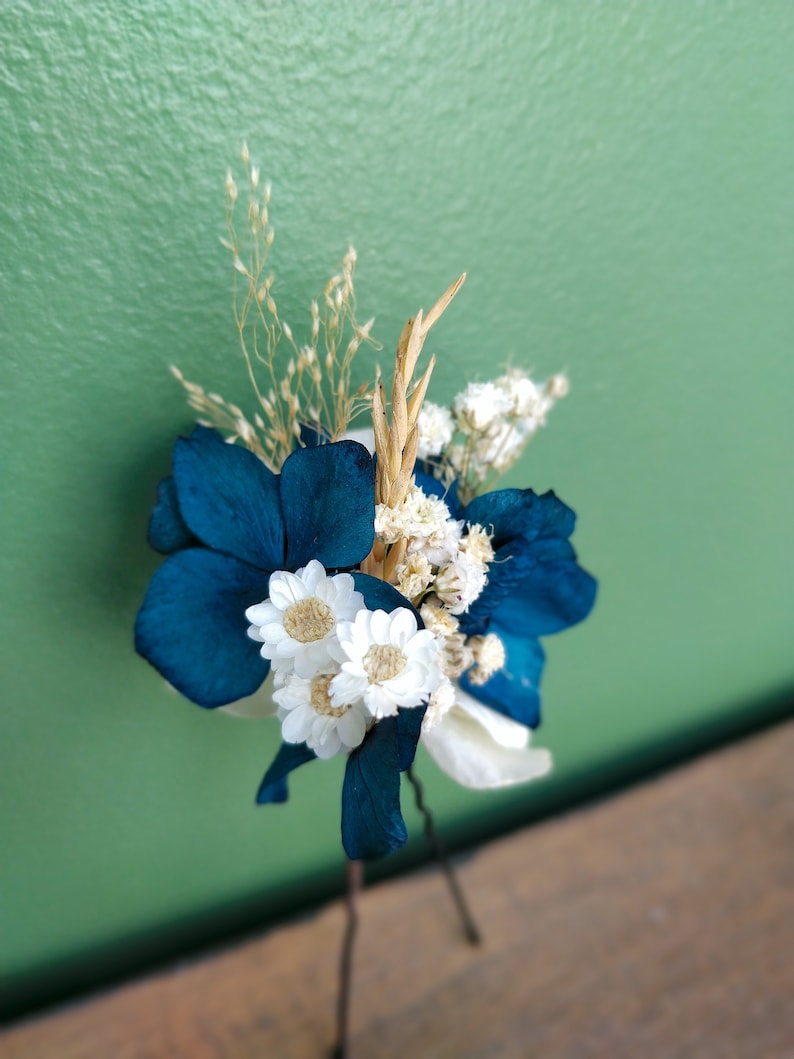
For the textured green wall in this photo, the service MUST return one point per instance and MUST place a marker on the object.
(616, 178)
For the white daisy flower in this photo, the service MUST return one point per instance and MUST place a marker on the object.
(460, 582)
(297, 623)
(308, 715)
(389, 662)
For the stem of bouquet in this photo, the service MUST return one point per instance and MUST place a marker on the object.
(470, 928)
(355, 876)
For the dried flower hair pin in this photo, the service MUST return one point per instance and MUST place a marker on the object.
(378, 593)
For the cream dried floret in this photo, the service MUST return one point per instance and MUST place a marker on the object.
(477, 544)
(414, 576)
(437, 618)
(441, 702)
(297, 623)
(489, 657)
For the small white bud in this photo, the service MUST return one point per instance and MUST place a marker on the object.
(557, 387)
(254, 176)
(244, 153)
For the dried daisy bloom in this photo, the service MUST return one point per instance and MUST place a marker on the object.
(389, 662)
(308, 716)
(297, 623)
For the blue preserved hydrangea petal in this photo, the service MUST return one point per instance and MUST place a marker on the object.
(521, 513)
(192, 626)
(372, 824)
(273, 787)
(534, 572)
(556, 594)
(514, 690)
(230, 500)
(328, 498)
(409, 728)
(380, 595)
(167, 530)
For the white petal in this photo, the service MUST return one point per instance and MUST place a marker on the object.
(465, 751)
(347, 687)
(379, 702)
(379, 625)
(305, 665)
(262, 613)
(504, 730)
(312, 575)
(273, 632)
(351, 728)
(403, 627)
(297, 726)
(260, 704)
(286, 589)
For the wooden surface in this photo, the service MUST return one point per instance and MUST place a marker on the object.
(659, 923)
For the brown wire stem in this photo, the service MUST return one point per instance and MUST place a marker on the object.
(355, 876)
(470, 928)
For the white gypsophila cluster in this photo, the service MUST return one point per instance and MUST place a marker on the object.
(496, 420)
(338, 666)
(460, 582)
(443, 555)
(489, 657)
(436, 427)
(480, 405)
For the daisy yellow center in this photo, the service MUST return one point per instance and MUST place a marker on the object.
(383, 661)
(308, 620)
(321, 699)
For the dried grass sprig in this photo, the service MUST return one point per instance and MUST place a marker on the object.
(397, 440)
(311, 383)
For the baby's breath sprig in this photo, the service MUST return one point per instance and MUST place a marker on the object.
(314, 387)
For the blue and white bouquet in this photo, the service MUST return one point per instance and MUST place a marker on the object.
(366, 589)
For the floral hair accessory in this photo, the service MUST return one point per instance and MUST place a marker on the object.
(380, 589)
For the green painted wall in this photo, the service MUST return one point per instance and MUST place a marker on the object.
(616, 178)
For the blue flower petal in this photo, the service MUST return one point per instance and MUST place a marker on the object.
(556, 594)
(409, 728)
(534, 573)
(273, 787)
(192, 626)
(521, 513)
(328, 497)
(167, 530)
(380, 595)
(514, 690)
(230, 500)
(372, 824)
